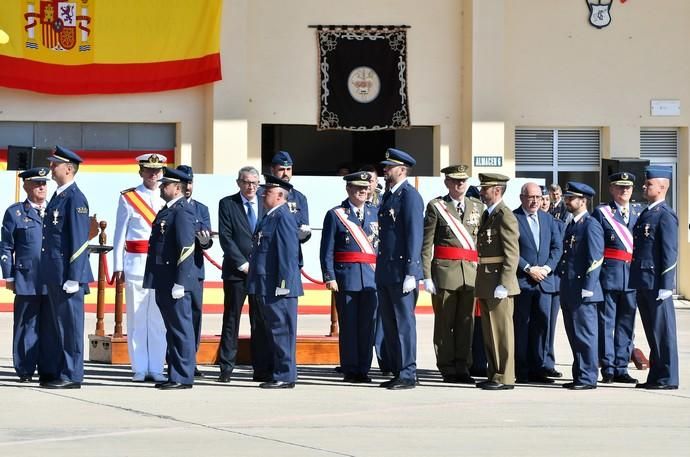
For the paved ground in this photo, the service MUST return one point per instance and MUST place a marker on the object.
(323, 417)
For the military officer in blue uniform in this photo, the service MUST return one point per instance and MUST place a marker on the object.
(274, 281)
(202, 224)
(65, 269)
(580, 267)
(348, 261)
(171, 272)
(617, 311)
(653, 272)
(399, 267)
(20, 253)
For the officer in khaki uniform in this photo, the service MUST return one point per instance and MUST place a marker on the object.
(449, 262)
(496, 282)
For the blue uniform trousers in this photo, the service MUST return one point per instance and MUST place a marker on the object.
(382, 356)
(197, 294)
(581, 327)
(400, 329)
(68, 328)
(356, 318)
(531, 318)
(177, 316)
(32, 319)
(616, 326)
(280, 317)
(550, 358)
(659, 322)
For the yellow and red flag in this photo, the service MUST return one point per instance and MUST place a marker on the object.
(106, 46)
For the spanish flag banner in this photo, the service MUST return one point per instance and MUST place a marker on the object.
(109, 46)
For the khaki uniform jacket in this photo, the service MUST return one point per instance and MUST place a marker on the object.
(498, 237)
(449, 274)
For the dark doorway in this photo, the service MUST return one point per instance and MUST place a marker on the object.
(323, 153)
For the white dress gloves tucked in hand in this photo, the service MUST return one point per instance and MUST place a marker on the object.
(409, 284)
(664, 294)
(177, 291)
(71, 287)
(429, 286)
(303, 232)
(281, 291)
(587, 293)
(500, 292)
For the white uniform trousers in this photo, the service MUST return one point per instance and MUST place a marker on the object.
(145, 328)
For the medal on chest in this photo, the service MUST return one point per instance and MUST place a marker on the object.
(646, 230)
(162, 227)
(56, 213)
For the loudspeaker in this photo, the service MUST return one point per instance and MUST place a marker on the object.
(634, 166)
(25, 157)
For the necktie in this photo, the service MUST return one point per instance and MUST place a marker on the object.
(461, 210)
(624, 213)
(251, 216)
(534, 226)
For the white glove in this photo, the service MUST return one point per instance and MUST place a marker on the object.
(303, 232)
(500, 292)
(244, 268)
(429, 286)
(204, 236)
(409, 284)
(664, 294)
(71, 287)
(586, 293)
(177, 291)
(281, 291)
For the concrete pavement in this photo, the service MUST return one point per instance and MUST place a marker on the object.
(323, 416)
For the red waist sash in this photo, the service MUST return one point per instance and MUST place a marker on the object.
(454, 253)
(354, 257)
(137, 246)
(617, 254)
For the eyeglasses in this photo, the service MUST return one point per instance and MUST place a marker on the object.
(249, 183)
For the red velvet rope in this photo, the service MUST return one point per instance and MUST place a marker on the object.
(213, 262)
(315, 281)
(104, 259)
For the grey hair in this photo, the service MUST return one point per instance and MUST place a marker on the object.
(248, 169)
(555, 187)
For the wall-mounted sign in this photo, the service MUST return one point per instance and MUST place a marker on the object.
(488, 161)
(599, 13)
(665, 107)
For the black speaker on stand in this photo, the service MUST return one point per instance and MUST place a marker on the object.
(24, 157)
(634, 166)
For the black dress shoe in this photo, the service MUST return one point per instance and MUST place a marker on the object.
(175, 386)
(350, 378)
(492, 385)
(522, 380)
(401, 384)
(388, 383)
(481, 383)
(578, 386)
(25, 379)
(262, 378)
(61, 384)
(654, 386)
(277, 385)
(161, 384)
(541, 379)
(363, 379)
(198, 373)
(465, 378)
(625, 379)
(607, 378)
(225, 376)
(338, 369)
(449, 378)
(552, 373)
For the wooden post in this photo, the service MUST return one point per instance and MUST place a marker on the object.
(334, 331)
(100, 300)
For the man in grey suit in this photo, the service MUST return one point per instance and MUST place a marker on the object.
(237, 217)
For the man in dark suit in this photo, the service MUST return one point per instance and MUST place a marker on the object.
(20, 254)
(653, 272)
(399, 267)
(202, 227)
(348, 260)
(540, 251)
(275, 282)
(579, 268)
(558, 208)
(238, 215)
(65, 269)
(617, 311)
(171, 272)
(496, 282)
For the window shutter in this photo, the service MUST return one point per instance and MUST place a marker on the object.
(578, 147)
(659, 144)
(533, 147)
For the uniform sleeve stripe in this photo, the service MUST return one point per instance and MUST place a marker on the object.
(79, 252)
(186, 252)
(672, 267)
(596, 264)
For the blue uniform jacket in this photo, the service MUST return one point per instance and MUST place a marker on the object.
(580, 266)
(615, 274)
(170, 258)
(401, 231)
(655, 254)
(560, 226)
(549, 252)
(20, 248)
(64, 253)
(202, 221)
(274, 260)
(335, 237)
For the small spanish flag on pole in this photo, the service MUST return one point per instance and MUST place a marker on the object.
(107, 47)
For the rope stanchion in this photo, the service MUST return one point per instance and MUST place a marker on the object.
(315, 281)
(104, 259)
(213, 262)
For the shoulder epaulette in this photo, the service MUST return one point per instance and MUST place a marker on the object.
(131, 189)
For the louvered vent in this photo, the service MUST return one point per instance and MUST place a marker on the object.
(578, 148)
(533, 147)
(658, 144)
